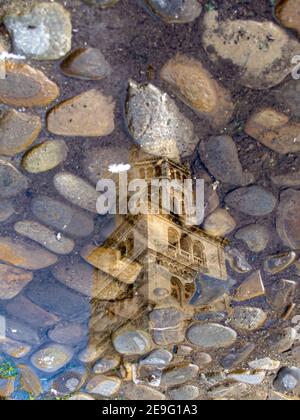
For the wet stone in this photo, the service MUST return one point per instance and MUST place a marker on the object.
(17, 131)
(168, 336)
(220, 156)
(282, 341)
(277, 263)
(77, 191)
(18, 331)
(7, 387)
(219, 223)
(30, 381)
(166, 318)
(156, 124)
(287, 180)
(106, 364)
(52, 358)
(158, 359)
(253, 201)
(142, 393)
(62, 217)
(12, 182)
(6, 210)
(251, 288)
(69, 381)
(179, 375)
(261, 51)
(248, 319)
(23, 309)
(92, 107)
(25, 86)
(45, 156)
(288, 93)
(202, 360)
(287, 12)
(248, 378)
(228, 391)
(92, 352)
(184, 393)
(178, 11)
(15, 349)
(132, 342)
(67, 333)
(281, 295)
(288, 226)
(104, 385)
(255, 236)
(43, 33)
(87, 64)
(237, 260)
(288, 380)
(24, 254)
(238, 357)
(210, 316)
(274, 130)
(197, 88)
(58, 300)
(209, 290)
(265, 364)
(211, 336)
(12, 281)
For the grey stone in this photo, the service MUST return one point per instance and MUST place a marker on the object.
(238, 357)
(287, 222)
(209, 289)
(253, 201)
(179, 375)
(282, 341)
(289, 94)
(104, 385)
(12, 281)
(281, 294)
(184, 393)
(134, 392)
(176, 11)
(52, 358)
(211, 336)
(19, 331)
(12, 182)
(86, 63)
(248, 319)
(248, 378)
(166, 318)
(106, 364)
(132, 342)
(277, 263)
(67, 333)
(69, 381)
(44, 33)
(158, 359)
(62, 217)
(6, 210)
(288, 380)
(169, 336)
(255, 236)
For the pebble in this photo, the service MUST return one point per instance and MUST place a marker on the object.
(69, 333)
(132, 343)
(228, 392)
(248, 319)
(30, 381)
(76, 190)
(198, 89)
(20, 332)
(277, 263)
(248, 378)
(287, 12)
(18, 131)
(179, 375)
(209, 290)
(92, 352)
(45, 156)
(106, 364)
(287, 223)
(166, 318)
(43, 33)
(12, 281)
(255, 236)
(69, 381)
(6, 210)
(282, 341)
(220, 156)
(134, 392)
(7, 387)
(169, 336)
(24, 254)
(23, 309)
(184, 393)
(274, 130)
(251, 288)
(253, 201)
(288, 380)
(281, 295)
(86, 64)
(45, 237)
(89, 281)
(106, 386)
(178, 11)
(211, 336)
(158, 359)
(92, 107)
(288, 94)
(62, 217)
(157, 125)
(265, 364)
(25, 86)
(237, 260)
(15, 349)
(236, 358)
(260, 51)
(12, 182)
(219, 223)
(52, 358)
(202, 360)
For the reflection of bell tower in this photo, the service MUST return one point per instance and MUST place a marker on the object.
(155, 255)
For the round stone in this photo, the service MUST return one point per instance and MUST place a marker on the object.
(52, 358)
(157, 359)
(69, 381)
(253, 201)
(255, 236)
(179, 375)
(248, 319)
(219, 223)
(43, 33)
(185, 393)
(176, 11)
(287, 380)
(132, 343)
(87, 64)
(211, 336)
(287, 223)
(104, 385)
(45, 156)
(106, 364)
